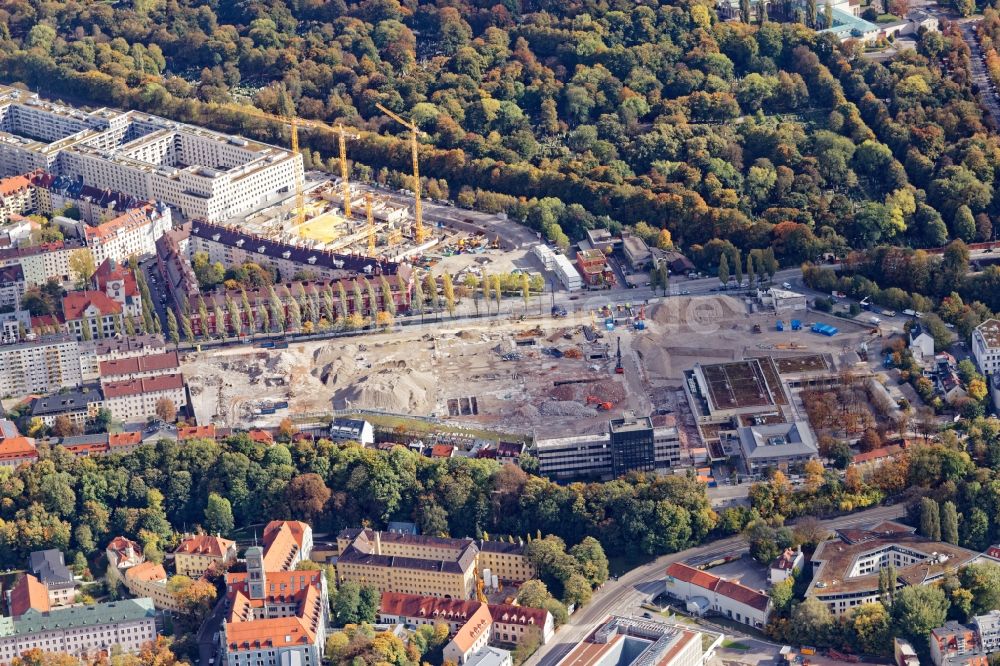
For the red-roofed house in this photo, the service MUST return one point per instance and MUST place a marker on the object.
(706, 593)
(124, 442)
(442, 451)
(122, 554)
(118, 282)
(470, 637)
(185, 433)
(198, 553)
(28, 594)
(93, 309)
(17, 450)
(135, 367)
(132, 233)
(286, 543)
(785, 564)
(261, 437)
(134, 400)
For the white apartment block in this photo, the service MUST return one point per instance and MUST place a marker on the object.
(81, 631)
(134, 400)
(41, 262)
(132, 233)
(204, 174)
(986, 346)
(988, 627)
(39, 366)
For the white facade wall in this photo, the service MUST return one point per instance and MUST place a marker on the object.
(130, 636)
(39, 367)
(136, 408)
(38, 268)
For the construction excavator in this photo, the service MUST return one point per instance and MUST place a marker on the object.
(619, 369)
(602, 405)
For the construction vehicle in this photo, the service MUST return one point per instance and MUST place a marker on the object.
(619, 370)
(602, 405)
(418, 227)
(756, 328)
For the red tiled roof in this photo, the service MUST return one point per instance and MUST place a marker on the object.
(128, 220)
(28, 593)
(510, 614)
(87, 449)
(121, 545)
(143, 385)
(205, 544)
(473, 629)
(705, 580)
(13, 184)
(283, 539)
(878, 454)
(415, 605)
(17, 448)
(136, 364)
(110, 271)
(147, 571)
(261, 436)
(196, 432)
(442, 451)
(76, 302)
(126, 439)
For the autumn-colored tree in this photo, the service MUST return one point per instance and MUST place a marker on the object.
(306, 496)
(166, 410)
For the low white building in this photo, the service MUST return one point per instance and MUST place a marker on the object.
(352, 430)
(705, 593)
(545, 255)
(921, 344)
(785, 565)
(567, 273)
(782, 300)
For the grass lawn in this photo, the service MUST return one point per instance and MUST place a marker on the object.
(887, 18)
(730, 644)
(387, 422)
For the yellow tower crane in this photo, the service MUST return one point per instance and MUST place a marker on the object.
(418, 227)
(294, 122)
(371, 224)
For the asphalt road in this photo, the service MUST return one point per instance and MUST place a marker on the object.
(624, 596)
(987, 96)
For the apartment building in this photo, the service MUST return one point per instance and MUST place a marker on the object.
(986, 346)
(40, 263)
(275, 617)
(406, 563)
(506, 560)
(706, 593)
(17, 195)
(134, 400)
(149, 580)
(198, 553)
(94, 352)
(16, 449)
(846, 568)
(139, 367)
(122, 554)
(508, 625)
(92, 314)
(988, 628)
(81, 631)
(956, 644)
(39, 366)
(78, 405)
(12, 286)
(286, 543)
(49, 567)
(204, 174)
(131, 234)
(470, 638)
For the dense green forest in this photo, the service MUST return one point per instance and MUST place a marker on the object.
(78, 504)
(568, 115)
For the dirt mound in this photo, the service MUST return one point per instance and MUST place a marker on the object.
(389, 390)
(565, 408)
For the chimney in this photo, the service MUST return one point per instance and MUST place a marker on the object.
(378, 542)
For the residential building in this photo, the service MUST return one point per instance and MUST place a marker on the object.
(42, 262)
(506, 560)
(85, 632)
(601, 239)
(986, 346)
(232, 247)
(149, 580)
(79, 405)
(778, 445)
(509, 452)
(17, 450)
(286, 543)
(567, 273)
(706, 593)
(471, 637)
(185, 433)
(632, 642)
(94, 311)
(46, 364)
(921, 344)
(18, 325)
(122, 554)
(785, 565)
(352, 430)
(592, 456)
(593, 267)
(870, 462)
(631, 444)
(508, 625)
(956, 644)
(637, 253)
(134, 400)
(119, 284)
(133, 233)
(139, 367)
(49, 566)
(204, 174)
(988, 628)
(846, 568)
(274, 616)
(198, 553)
(95, 352)
(411, 564)
(12, 286)
(27, 593)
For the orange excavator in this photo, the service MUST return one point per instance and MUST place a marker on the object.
(602, 405)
